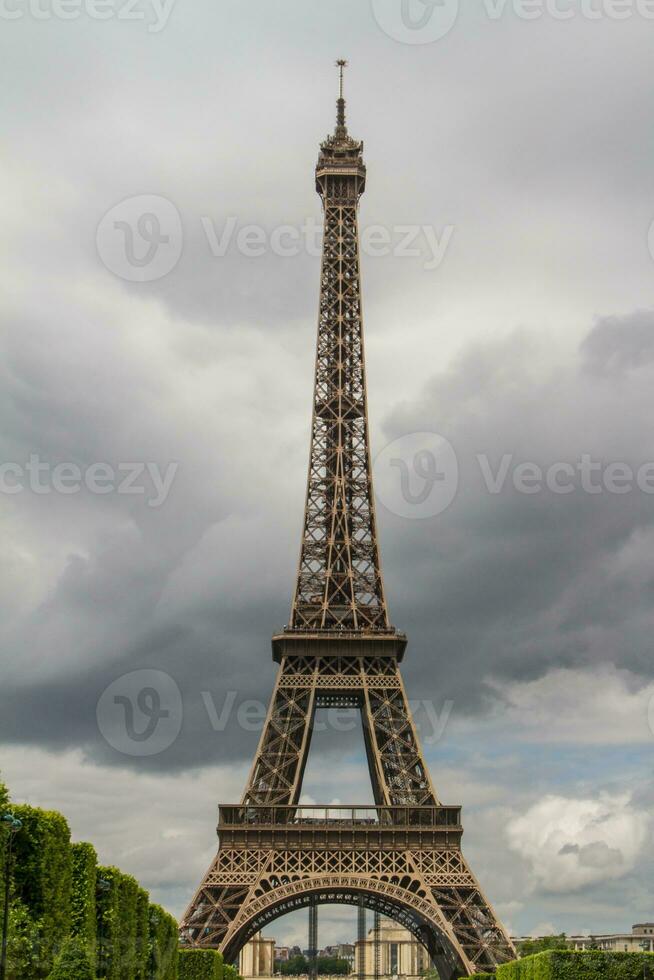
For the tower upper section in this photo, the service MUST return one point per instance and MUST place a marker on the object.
(340, 591)
(340, 171)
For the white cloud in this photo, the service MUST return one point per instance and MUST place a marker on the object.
(543, 929)
(600, 706)
(570, 843)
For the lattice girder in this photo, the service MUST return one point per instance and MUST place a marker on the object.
(339, 578)
(339, 650)
(435, 871)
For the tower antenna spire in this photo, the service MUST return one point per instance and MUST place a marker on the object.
(341, 128)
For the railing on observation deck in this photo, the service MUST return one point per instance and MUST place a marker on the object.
(372, 817)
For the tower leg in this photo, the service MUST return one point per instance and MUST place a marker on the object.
(313, 940)
(376, 946)
(361, 940)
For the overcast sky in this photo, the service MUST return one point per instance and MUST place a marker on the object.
(512, 158)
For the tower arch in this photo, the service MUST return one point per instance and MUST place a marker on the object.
(408, 908)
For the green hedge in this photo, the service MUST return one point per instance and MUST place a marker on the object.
(122, 922)
(164, 938)
(60, 894)
(141, 968)
(478, 976)
(4, 806)
(129, 953)
(23, 946)
(74, 962)
(579, 965)
(42, 876)
(83, 907)
(200, 964)
(230, 972)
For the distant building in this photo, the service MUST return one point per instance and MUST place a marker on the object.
(343, 951)
(283, 953)
(257, 958)
(640, 938)
(400, 955)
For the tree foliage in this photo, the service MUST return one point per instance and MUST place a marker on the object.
(58, 893)
(4, 806)
(123, 927)
(583, 965)
(297, 966)
(200, 964)
(75, 962)
(42, 877)
(163, 945)
(23, 945)
(83, 905)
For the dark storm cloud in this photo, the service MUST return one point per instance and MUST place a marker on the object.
(210, 366)
(501, 586)
(618, 345)
(508, 585)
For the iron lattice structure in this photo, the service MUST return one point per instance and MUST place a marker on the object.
(339, 580)
(401, 857)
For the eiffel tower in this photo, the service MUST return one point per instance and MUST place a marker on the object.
(401, 857)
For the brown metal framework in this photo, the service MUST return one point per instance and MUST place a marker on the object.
(339, 581)
(401, 857)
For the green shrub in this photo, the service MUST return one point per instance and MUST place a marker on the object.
(4, 806)
(129, 892)
(230, 972)
(164, 938)
(60, 894)
(74, 962)
(200, 964)
(82, 906)
(23, 945)
(117, 914)
(142, 935)
(478, 976)
(579, 965)
(42, 875)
